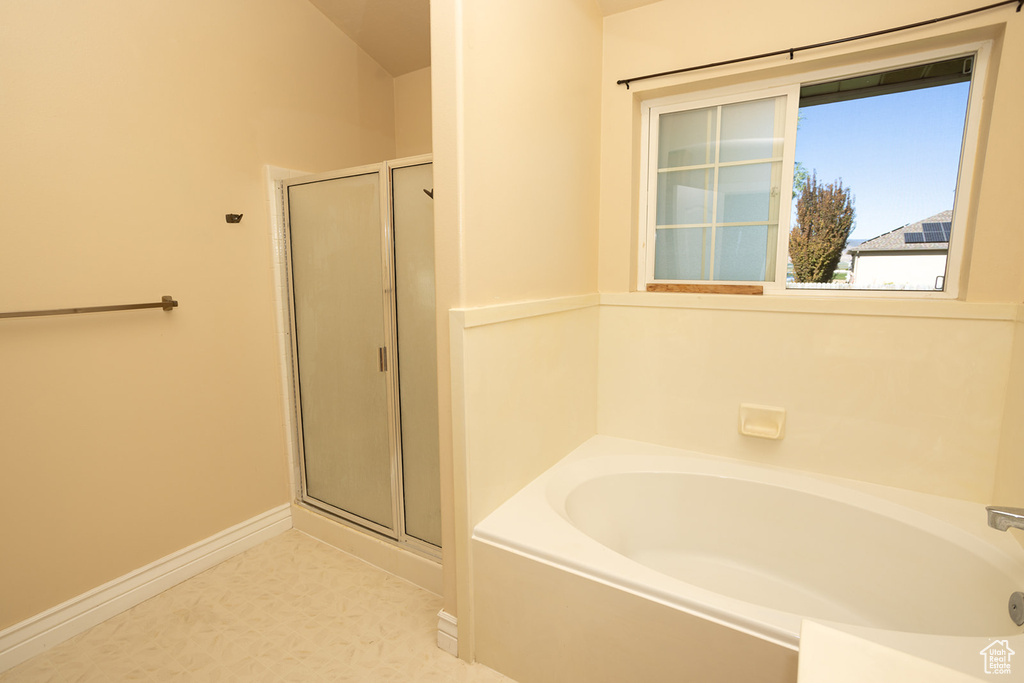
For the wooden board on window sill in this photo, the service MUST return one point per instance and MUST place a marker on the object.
(706, 289)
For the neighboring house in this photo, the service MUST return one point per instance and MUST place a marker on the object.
(911, 257)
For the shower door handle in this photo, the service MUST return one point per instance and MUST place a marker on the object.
(382, 358)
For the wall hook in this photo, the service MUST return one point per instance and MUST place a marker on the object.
(430, 192)
(233, 217)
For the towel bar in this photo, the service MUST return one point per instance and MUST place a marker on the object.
(167, 303)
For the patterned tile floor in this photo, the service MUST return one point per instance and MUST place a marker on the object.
(291, 609)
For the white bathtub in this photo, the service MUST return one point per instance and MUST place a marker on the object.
(757, 548)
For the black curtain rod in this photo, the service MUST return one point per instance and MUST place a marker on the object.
(791, 51)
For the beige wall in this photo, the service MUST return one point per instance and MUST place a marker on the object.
(412, 114)
(530, 149)
(446, 107)
(529, 145)
(516, 114)
(528, 392)
(1009, 482)
(874, 391)
(907, 401)
(128, 130)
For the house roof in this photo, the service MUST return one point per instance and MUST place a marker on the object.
(896, 240)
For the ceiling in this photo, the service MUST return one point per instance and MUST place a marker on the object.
(616, 6)
(396, 33)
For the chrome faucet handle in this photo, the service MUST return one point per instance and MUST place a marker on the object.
(1002, 518)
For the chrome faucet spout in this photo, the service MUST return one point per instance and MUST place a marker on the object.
(1002, 518)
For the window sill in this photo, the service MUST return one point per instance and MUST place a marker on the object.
(821, 305)
(756, 290)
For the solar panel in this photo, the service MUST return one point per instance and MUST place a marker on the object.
(936, 232)
(913, 238)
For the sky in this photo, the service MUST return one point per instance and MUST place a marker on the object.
(898, 153)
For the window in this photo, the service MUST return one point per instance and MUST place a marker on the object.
(842, 180)
(718, 175)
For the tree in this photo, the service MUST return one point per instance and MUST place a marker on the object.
(824, 219)
(799, 178)
(799, 170)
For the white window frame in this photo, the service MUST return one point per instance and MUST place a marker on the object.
(654, 109)
(789, 87)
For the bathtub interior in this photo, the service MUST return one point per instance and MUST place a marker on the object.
(796, 552)
(758, 548)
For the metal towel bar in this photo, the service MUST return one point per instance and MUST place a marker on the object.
(167, 303)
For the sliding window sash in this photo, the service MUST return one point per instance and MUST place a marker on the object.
(780, 159)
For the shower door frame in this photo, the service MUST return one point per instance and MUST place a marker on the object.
(397, 535)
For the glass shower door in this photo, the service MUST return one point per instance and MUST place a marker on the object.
(342, 326)
(412, 207)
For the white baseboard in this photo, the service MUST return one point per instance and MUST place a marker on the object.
(448, 633)
(52, 627)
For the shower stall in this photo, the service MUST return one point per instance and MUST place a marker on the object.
(360, 263)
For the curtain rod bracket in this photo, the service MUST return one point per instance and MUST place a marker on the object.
(791, 49)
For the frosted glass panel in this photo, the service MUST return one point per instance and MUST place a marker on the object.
(686, 138)
(417, 349)
(339, 312)
(685, 197)
(744, 193)
(682, 254)
(748, 130)
(740, 252)
(718, 191)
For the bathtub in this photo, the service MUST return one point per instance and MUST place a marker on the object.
(749, 548)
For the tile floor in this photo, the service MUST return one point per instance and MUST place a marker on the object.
(291, 609)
